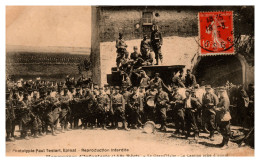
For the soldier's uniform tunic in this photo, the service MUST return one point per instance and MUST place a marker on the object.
(126, 95)
(65, 109)
(178, 111)
(135, 105)
(224, 124)
(150, 110)
(156, 42)
(10, 117)
(161, 100)
(102, 107)
(118, 105)
(209, 101)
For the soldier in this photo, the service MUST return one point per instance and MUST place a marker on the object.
(118, 106)
(25, 110)
(176, 80)
(145, 44)
(135, 55)
(223, 117)
(65, 109)
(161, 100)
(135, 105)
(198, 112)
(178, 110)
(147, 58)
(190, 79)
(10, 117)
(156, 42)
(145, 80)
(191, 105)
(126, 94)
(121, 49)
(102, 107)
(157, 81)
(150, 103)
(209, 101)
(77, 112)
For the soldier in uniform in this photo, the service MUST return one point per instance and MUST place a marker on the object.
(121, 49)
(135, 105)
(102, 107)
(156, 42)
(135, 55)
(178, 110)
(209, 101)
(157, 81)
(161, 100)
(145, 44)
(10, 118)
(223, 117)
(150, 103)
(118, 106)
(191, 105)
(176, 80)
(126, 95)
(65, 109)
(190, 79)
(25, 110)
(147, 57)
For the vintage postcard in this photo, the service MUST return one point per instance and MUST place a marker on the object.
(130, 81)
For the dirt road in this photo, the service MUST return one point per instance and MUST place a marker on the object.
(98, 142)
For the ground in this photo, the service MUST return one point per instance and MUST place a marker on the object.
(93, 142)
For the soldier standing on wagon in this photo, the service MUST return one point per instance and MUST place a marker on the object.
(145, 44)
(121, 50)
(156, 42)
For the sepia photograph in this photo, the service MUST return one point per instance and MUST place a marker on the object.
(130, 81)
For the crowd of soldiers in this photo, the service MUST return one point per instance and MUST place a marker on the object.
(39, 106)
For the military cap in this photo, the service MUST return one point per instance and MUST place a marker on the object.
(188, 69)
(145, 35)
(135, 88)
(29, 89)
(221, 89)
(197, 86)
(117, 87)
(64, 87)
(106, 85)
(26, 93)
(49, 89)
(124, 86)
(135, 47)
(174, 87)
(157, 74)
(188, 90)
(208, 87)
(142, 86)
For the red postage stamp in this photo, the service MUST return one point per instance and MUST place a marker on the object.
(216, 33)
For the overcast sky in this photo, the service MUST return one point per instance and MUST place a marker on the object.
(68, 26)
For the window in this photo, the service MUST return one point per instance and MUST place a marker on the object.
(147, 18)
